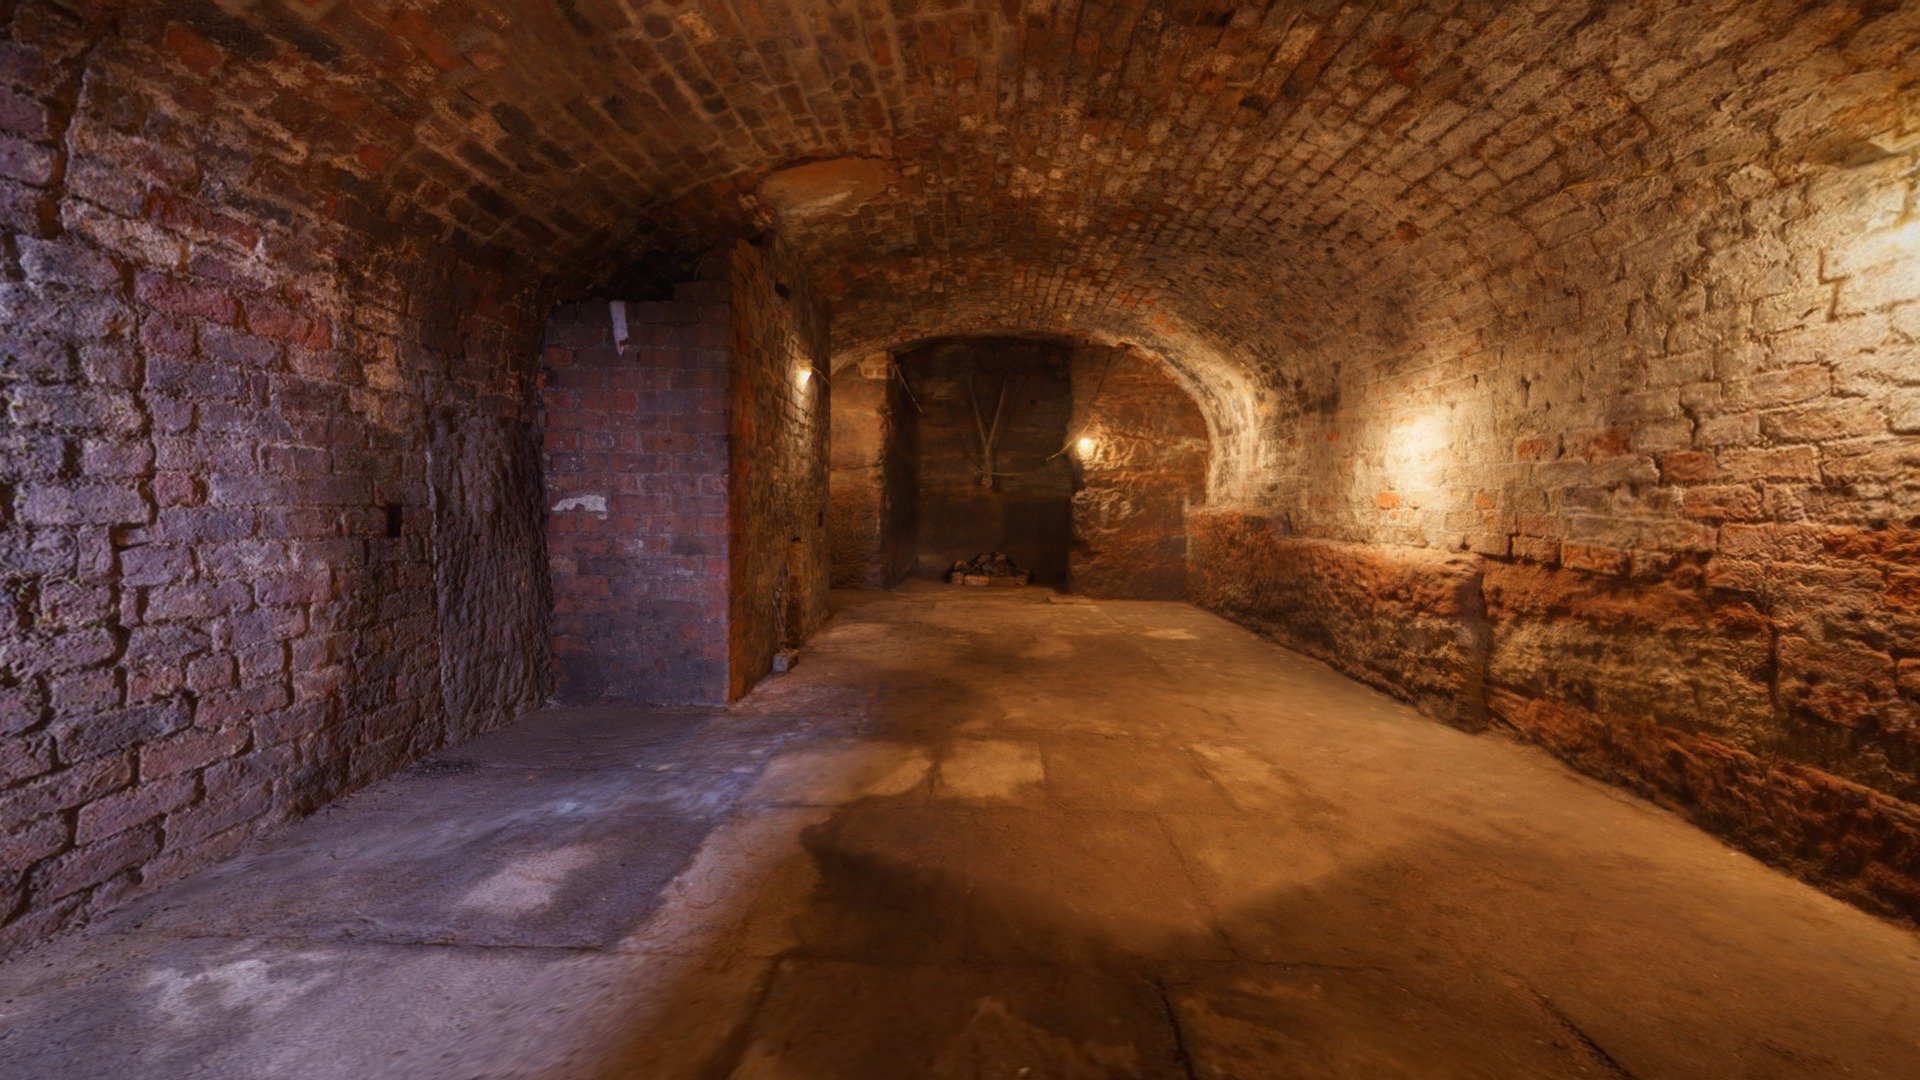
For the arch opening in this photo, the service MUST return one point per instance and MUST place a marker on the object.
(1076, 460)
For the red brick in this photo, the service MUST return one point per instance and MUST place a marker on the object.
(175, 296)
(91, 505)
(71, 786)
(1724, 503)
(28, 162)
(1825, 420)
(1687, 466)
(135, 806)
(89, 865)
(66, 262)
(26, 843)
(1599, 560)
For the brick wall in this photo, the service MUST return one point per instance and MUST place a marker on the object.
(1109, 521)
(872, 517)
(1604, 305)
(686, 484)
(780, 408)
(1660, 474)
(268, 528)
(1146, 466)
(636, 492)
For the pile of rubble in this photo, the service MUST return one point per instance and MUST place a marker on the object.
(987, 568)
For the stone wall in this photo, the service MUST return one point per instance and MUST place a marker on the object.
(268, 517)
(1406, 620)
(686, 483)
(1027, 511)
(1686, 693)
(1667, 467)
(1145, 465)
(872, 515)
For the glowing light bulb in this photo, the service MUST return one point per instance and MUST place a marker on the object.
(1085, 445)
(804, 376)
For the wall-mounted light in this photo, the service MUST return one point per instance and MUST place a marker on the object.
(1085, 445)
(803, 376)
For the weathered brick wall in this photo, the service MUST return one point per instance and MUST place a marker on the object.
(1674, 439)
(268, 528)
(636, 497)
(1147, 464)
(778, 495)
(1027, 513)
(872, 520)
(686, 482)
(1405, 619)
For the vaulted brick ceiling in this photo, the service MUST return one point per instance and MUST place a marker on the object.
(1205, 177)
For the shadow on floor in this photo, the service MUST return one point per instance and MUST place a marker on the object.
(982, 836)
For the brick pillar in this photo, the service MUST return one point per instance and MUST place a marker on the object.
(685, 476)
(636, 479)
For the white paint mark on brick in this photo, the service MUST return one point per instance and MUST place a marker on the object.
(592, 504)
(618, 310)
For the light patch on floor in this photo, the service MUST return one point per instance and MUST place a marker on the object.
(990, 769)
(855, 632)
(1048, 649)
(529, 883)
(841, 774)
(740, 865)
(996, 1040)
(1249, 779)
(1170, 633)
(182, 998)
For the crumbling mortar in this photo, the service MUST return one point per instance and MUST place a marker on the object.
(66, 104)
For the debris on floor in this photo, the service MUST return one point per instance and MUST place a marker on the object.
(988, 568)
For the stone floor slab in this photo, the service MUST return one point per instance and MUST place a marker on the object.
(979, 834)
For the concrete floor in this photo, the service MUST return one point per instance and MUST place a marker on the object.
(981, 834)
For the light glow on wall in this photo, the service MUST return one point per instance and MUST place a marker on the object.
(1085, 446)
(1906, 244)
(1417, 451)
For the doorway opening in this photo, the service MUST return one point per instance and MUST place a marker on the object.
(1077, 462)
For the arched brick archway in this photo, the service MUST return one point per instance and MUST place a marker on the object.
(1103, 453)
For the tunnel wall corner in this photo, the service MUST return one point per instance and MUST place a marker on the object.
(779, 412)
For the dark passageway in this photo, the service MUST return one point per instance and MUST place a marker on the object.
(1079, 462)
